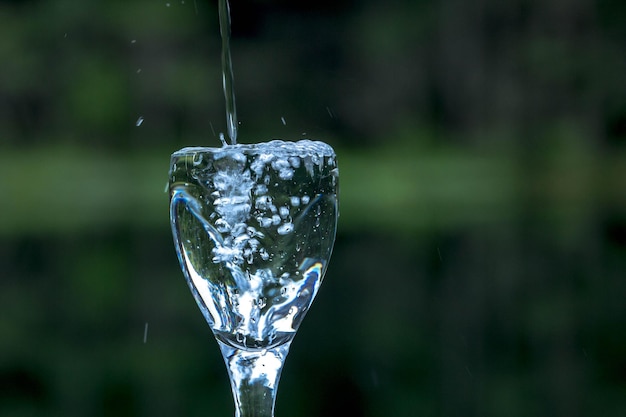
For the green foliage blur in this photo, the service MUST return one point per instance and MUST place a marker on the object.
(480, 263)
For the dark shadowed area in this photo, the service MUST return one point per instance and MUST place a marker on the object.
(480, 262)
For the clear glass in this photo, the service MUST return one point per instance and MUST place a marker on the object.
(254, 227)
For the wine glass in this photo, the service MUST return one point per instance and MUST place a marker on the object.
(254, 227)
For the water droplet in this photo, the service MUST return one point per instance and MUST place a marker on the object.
(295, 201)
(284, 212)
(261, 302)
(167, 5)
(133, 41)
(139, 121)
(223, 139)
(282, 119)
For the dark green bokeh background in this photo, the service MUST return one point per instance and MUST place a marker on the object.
(480, 264)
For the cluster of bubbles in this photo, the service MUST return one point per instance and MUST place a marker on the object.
(241, 192)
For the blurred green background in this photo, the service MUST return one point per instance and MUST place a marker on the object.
(480, 263)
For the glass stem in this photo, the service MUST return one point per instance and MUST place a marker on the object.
(254, 378)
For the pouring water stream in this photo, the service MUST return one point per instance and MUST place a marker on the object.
(227, 71)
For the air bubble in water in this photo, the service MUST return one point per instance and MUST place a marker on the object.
(264, 221)
(263, 203)
(239, 229)
(260, 189)
(222, 226)
(280, 164)
(286, 174)
(294, 161)
(285, 228)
